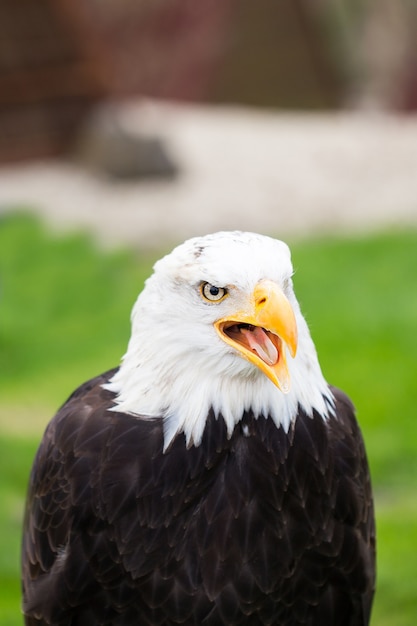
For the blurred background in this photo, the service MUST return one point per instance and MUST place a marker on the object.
(127, 126)
(291, 116)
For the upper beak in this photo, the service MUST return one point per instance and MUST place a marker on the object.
(262, 332)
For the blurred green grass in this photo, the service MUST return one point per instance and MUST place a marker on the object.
(64, 317)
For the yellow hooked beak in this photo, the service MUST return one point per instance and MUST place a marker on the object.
(262, 332)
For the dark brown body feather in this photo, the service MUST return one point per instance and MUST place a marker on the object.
(262, 528)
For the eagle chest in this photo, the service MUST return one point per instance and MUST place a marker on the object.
(235, 514)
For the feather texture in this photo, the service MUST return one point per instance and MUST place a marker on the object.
(264, 527)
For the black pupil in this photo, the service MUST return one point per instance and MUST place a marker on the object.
(214, 290)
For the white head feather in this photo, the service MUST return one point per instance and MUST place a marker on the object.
(177, 367)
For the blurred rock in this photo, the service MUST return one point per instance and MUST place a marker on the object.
(109, 146)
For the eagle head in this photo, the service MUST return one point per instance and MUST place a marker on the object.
(218, 327)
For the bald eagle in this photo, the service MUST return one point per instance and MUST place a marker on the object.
(214, 477)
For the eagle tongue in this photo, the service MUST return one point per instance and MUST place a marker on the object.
(259, 341)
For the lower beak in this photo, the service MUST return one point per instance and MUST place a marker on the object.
(263, 332)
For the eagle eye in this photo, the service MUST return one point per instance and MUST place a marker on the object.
(213, 293)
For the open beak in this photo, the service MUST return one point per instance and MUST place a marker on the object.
(263, 332)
